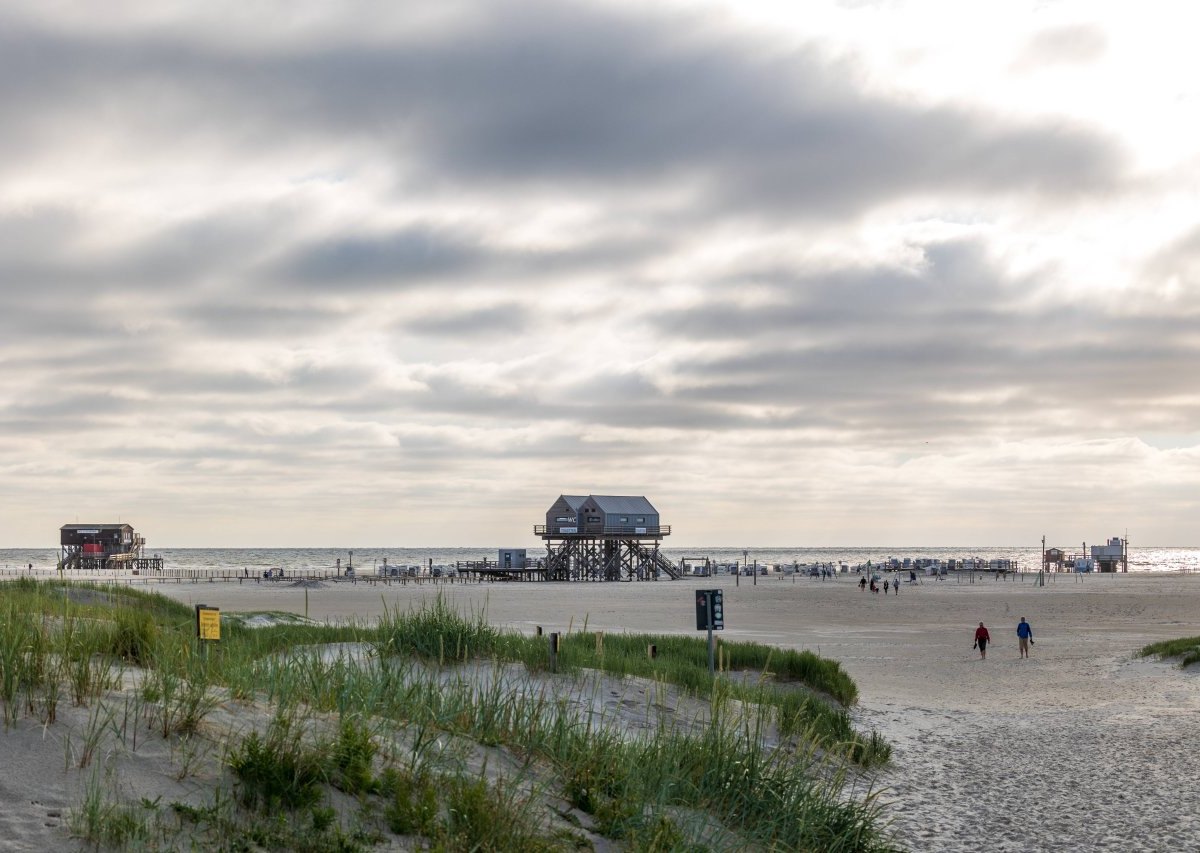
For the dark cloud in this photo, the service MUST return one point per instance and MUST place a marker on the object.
(494, 322)
(235, 316)
(427, 257)
(955, 286)
(394, 260)
(563, 97)
(956, 337)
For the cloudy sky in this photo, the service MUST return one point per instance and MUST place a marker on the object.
(375, 273)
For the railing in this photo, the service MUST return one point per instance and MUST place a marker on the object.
(591, 530)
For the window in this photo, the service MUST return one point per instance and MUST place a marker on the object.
(641, 521)
(624, 520)
(593, 519)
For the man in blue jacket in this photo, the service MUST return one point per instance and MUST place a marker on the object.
(1024, 636)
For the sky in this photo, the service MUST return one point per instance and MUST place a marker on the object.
(399, 274)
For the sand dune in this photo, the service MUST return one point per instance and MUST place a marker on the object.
(1082, 747)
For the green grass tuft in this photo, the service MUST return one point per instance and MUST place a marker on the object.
(1187, 649)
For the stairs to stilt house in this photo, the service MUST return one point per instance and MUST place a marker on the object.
(666, 566)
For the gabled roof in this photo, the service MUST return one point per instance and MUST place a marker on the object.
(573, 501)
(628, 504)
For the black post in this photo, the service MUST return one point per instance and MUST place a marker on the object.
(711, 667)
(554, 651)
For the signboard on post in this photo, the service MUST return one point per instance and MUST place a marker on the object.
(710, 610)
(208, 623)
(710, 616)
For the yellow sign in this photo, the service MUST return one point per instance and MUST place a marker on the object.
(208, 623)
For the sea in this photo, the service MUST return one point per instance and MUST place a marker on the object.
(1147, 559)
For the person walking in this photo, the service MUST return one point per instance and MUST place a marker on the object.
(982, 638)
(1024, 636)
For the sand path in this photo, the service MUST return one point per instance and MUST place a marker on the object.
(1082, 747)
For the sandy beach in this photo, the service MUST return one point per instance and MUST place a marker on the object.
(1081, 747)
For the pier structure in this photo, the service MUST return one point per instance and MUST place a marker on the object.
(511, 564)
(604, 538)
(1113, 556)
(95, 547)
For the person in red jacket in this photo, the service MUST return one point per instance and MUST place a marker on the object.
(982, 638)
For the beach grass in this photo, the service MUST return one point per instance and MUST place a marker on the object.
(810, 693)
(1187, 649)
(415, 726)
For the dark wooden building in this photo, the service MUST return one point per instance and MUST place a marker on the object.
(604, 538)
(104, 546)
(601, 515)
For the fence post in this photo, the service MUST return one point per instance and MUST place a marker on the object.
(554, 651)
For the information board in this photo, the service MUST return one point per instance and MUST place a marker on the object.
(208, 622)
(705, 597)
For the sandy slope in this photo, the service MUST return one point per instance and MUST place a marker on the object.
(1082, 747)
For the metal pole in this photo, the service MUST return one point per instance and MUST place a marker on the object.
(711, 666)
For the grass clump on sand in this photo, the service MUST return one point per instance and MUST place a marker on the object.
(1187, 649)
(799, 685)
(343, 737)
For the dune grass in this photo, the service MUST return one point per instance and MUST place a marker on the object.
(385, 727)
(1187, 649)
(437, 632)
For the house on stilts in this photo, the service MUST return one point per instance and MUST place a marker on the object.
(94, 547)
(604, 538)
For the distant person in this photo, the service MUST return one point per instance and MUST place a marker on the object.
(982, 638)
(1024, 636)
(896, 586)
(912, 577)
(862, 584)
(886, 584)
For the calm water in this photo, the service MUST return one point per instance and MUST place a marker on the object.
(1140, 559)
